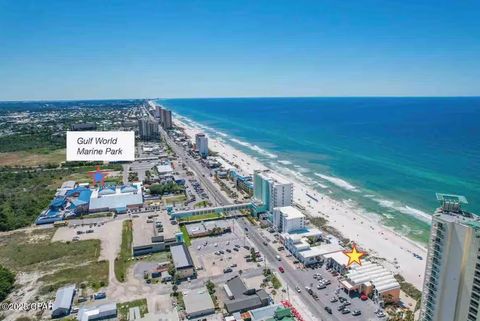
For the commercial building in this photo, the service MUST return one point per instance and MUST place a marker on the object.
(70, 200)
(241, 298)
(116, 198)
(182, 260)
(201, 144)
(148, 129)
(164, 169)
(100, 312)
(63, 301)
(270, 191)
(198, 303)
(244, 183)
(154, 235)
(299, 244)
(372, 280)
(287, 219)
(451, 289)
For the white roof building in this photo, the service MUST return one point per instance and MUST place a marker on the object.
(101, 312)
(198, 303)
(116, 197)
(164, 169)
(371, 276)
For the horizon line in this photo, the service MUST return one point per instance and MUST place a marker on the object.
(232, 97)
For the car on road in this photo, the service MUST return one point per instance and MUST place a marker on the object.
(278, 258)
(227, 270)
(328, 309)
(356, 312)
(281, 269)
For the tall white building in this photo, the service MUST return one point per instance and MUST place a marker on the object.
(451, 290)
(270, 191)
(287, 219)
(201, 143)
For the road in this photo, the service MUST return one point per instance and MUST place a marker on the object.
(291, 276)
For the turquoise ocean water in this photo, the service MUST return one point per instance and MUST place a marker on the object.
(388, 156)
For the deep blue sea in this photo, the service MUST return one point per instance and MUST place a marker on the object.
(388, 156)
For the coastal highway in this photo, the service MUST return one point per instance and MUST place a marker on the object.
(290, 276)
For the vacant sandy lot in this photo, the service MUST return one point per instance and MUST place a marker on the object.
(27, 158)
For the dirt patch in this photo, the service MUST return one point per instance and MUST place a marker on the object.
(31, 158)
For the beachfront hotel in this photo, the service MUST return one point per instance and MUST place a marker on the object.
(451, 290)
(201, 144)
(270, 191)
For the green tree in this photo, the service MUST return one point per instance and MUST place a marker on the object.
(7, 279)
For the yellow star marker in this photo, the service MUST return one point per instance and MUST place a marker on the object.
(354, 256)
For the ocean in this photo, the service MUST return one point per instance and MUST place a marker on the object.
(386, 156)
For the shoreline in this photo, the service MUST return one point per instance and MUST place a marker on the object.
(345, 218)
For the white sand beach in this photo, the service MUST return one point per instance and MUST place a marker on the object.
(370, 235)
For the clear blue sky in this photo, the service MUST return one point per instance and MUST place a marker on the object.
(128, 49)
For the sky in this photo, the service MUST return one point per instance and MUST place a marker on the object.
(145, 49)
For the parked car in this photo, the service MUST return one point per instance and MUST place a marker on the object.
(227, 270)
(281, 269)
(356, 312)
(328, 309)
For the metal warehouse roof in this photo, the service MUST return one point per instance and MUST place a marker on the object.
(381, 278)
(64, 297)
(181, 257)
(197, 300)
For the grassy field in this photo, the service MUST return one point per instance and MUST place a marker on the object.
(31, 158)
(157, 257)
(124, 308)
(93, 275)
(201, 217)
(24, 251)
(58, 263)
(186, 237)
(175, 199)
(122, 261)
(203, 203)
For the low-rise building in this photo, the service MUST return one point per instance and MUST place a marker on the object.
(198, 303)
(63, 301)
(241, 298)
(373, 280)
(116, 198)
(100, 312)
(182, 260)
(154, 235)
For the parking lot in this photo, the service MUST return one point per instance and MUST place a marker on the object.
(324, 286)
(216, 254)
